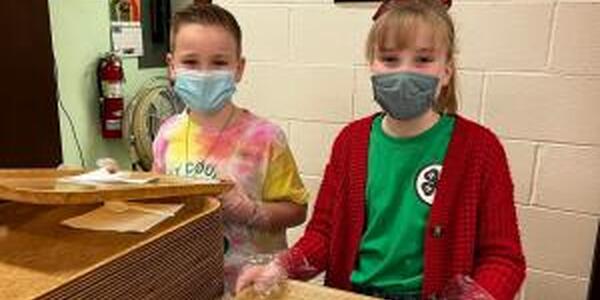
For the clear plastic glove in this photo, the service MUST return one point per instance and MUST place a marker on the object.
(463, 287)
(264, 279)
(268, 279)
(111, 165)
(239, 209)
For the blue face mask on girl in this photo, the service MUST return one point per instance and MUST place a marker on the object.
(207, 92)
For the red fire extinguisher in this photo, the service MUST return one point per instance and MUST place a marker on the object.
(110, 82)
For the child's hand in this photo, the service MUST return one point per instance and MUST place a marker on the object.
(465, 288)
(264, 279)
(111, 165)
(238, 208)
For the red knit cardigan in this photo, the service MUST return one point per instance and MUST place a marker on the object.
(472, 227)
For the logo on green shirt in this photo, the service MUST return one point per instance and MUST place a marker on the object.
(426, 182)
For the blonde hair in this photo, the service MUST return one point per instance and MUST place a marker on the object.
(205, 13)
(397, 25)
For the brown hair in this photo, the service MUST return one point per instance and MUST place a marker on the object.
(205, 13)
(397, 23)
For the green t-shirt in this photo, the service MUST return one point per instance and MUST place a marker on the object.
(401, 183)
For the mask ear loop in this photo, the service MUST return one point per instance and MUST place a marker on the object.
(187, 137)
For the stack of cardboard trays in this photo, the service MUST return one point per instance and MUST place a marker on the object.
(40, 258)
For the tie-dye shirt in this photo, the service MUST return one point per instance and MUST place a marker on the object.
(252, 152)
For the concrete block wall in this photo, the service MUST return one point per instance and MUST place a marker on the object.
(529, 69)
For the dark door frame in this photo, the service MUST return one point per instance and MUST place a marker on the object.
(594, 291)
(29, 120)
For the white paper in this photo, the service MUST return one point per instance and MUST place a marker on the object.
(127, 39)
(103, 176)
(132, 217)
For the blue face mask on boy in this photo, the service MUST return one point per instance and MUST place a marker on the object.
(204, 91)
(404, 95)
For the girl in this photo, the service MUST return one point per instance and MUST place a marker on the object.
(214, 138)
(416, 202)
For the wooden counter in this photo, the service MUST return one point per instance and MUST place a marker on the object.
(181, 257)
(298, 290)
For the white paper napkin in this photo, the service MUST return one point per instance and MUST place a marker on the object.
(103, 176)
(124, 216)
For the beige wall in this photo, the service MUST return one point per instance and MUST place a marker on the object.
(530, 70)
